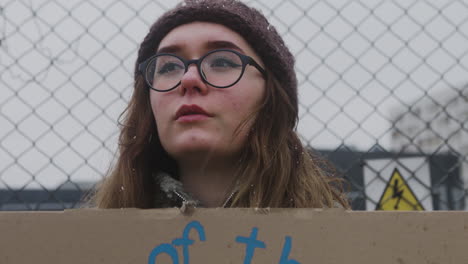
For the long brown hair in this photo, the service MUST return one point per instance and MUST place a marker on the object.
(275, 170)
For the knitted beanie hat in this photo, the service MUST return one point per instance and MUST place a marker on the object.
(246, 21)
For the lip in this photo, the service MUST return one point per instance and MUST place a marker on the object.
(191, 113)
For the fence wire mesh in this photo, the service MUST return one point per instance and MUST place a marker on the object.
(383, 94)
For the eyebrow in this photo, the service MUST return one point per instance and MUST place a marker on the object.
(217, 44)
(169, 49)
(222, 44)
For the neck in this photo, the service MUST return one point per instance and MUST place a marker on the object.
(210, 182)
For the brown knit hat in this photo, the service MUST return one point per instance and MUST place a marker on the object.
(246, 21)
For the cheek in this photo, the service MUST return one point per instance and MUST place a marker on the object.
(237, 106)
(251, 97)
(157, 106)
(244, 102)
(154, 104)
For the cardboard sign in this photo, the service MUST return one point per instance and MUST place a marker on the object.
(284, 236)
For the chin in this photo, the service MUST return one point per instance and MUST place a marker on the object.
(200, 145)
(194, 146)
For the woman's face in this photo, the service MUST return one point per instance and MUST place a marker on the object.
(195, 118)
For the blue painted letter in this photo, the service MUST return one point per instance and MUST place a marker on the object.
(163, 248)
(185, 241)
(251, 243)
(285, 254)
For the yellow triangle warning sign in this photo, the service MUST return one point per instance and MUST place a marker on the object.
(398, 196)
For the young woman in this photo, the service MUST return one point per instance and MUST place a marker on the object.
(212, 118)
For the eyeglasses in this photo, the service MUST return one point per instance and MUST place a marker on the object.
(221, 68)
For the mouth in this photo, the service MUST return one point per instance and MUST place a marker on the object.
(187, 111)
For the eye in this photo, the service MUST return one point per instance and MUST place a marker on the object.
(169, 67)
(224, 63)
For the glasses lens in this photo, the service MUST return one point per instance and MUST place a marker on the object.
(222, 68)
(164, 72)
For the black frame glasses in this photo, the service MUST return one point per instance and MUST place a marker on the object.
(148, 74)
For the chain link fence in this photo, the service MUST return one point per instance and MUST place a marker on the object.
(383, 94)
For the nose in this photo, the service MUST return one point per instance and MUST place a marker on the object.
(192, 82)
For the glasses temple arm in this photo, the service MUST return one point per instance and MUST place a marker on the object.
(259, 68)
